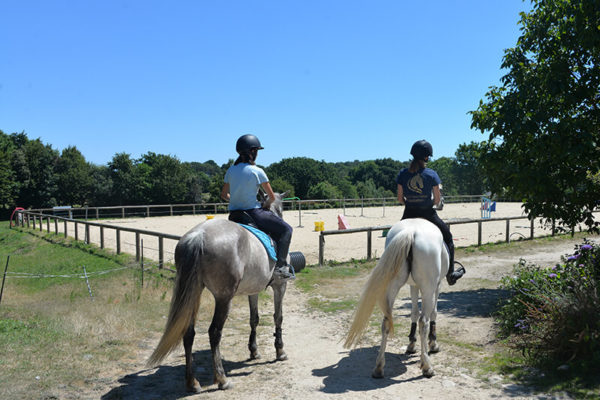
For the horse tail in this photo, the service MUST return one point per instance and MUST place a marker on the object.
(186, 296)
(375, 290)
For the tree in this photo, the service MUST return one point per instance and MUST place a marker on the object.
(446, 169)
(8, 184)
(544, 121)
(324, 190)
(470, 179)
(302, 172)
(33, 164)
(167, 180)
(73, 178)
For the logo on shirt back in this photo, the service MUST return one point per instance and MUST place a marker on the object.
(415, 184)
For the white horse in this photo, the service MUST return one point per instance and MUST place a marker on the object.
(414, 253)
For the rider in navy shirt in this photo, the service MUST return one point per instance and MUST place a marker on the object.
(419, 191)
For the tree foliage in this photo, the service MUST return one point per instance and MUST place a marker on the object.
(544, 121)
(33, 174)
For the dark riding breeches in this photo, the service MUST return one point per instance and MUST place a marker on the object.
(430, 215)
(279, 230)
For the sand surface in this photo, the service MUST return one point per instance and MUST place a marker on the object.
(340, 247)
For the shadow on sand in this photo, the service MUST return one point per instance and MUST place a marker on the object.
(168, 382)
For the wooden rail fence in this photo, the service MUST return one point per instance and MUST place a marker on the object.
(36, 220)
(370, 230)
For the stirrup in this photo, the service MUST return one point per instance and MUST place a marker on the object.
(285, 272)
(456, 274)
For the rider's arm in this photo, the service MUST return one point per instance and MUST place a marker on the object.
(437, 196)
(400, 194)
(267, 188)
(225, 192)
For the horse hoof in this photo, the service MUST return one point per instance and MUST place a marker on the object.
(428, 373)
(377, 374)
(193, 387)
(255, 356)
(411, 350)
(282, 356)
(226, 385)
(434, 349)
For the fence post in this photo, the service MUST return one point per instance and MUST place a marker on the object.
(532, 223)
(478, 233)
(87, 234)
(55, 226)
(142, 262)
(321, 248)
(66, 230)
(299, 215)
(137, 246)
(161, 256)
(88, 283)
(553, 226)
(507, 230)
(48, 224)
(41, 223)
(369, 241)
(76, 231)
(123, 212)
(148, 212)
(97, 213)
(4, 277)
(101, 237)
(171, 209)
(33, 222)
(118, 238)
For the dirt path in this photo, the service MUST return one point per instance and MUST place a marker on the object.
(319, 367)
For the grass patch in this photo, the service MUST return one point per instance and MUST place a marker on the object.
(52, 333)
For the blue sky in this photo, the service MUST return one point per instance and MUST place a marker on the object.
(326, 79)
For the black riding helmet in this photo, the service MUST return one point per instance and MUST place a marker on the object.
(421, 150)
(246, 143)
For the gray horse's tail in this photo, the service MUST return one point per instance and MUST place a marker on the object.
(186, 296)
(375, 290)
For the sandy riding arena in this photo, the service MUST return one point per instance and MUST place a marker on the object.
(342, 247)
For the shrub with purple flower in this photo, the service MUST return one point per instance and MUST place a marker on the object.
(553, 313)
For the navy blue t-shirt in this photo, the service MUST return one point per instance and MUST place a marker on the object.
(418, 186)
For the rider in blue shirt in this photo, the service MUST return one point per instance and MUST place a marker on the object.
(419, 191)
(242, 182)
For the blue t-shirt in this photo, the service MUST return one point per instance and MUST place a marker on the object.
(418, 186)
(244, 181)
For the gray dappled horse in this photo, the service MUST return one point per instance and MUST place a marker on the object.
(414, 254)
(228, 260)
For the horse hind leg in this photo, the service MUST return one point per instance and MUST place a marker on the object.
(386, 326)
(414, 317)
(222, 307)
(254, 319)
(191, 383)
(424, 329)
(434, 347)
(380, 362)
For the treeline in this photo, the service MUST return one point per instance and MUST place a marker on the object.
(35, 175)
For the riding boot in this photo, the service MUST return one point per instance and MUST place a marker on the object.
(452, 276)
(282, 269)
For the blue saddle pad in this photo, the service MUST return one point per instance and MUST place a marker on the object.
(264, 239)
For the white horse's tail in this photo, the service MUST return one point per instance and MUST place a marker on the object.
(375, 290)
(186, 297)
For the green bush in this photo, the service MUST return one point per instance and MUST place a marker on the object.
(553, 314)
